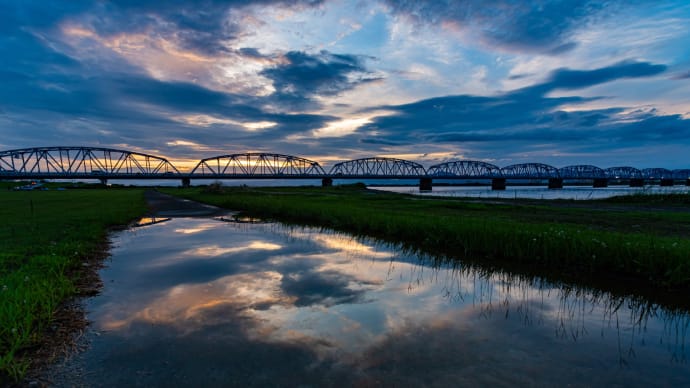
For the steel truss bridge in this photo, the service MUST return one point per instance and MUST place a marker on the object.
(106, 163)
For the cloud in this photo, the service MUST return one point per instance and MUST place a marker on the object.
(14, 15)
(681, 76)
(301, 76)
(153, 76)
(537, 27)
(522, 118)
(204, 26)
(326, 288)
(134, 109)
(52, 96)
(576, 79)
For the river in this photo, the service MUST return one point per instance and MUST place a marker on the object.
(536, 192)
(411, 187)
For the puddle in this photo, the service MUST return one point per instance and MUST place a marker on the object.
(204, 302)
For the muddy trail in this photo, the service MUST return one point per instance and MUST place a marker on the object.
(164, 205)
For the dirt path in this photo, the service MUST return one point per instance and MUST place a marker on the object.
(164, 205)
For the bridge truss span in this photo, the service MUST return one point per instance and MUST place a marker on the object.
(46, 162)
(657, 173)
(681, 174)
(465, 169)
(582, 171)
(530, 171)
(378, 167)
(258, 165)
(623, 172)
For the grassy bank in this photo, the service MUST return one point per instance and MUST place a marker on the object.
(45, 237)
(624, 238)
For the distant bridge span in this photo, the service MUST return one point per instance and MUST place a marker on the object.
(107, 163)
(378, 167)
(81, 163)
(257, 165)
(582, 171)
(681, 174)
(465, 169)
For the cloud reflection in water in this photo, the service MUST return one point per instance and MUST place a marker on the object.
(359, 312)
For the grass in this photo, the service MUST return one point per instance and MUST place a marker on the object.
(604, 238)
(45, 236)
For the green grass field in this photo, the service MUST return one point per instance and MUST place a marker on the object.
(578, 239)
(45, 236)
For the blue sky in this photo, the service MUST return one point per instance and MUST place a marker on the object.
(558, 82)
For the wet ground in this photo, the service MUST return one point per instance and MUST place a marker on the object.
(207, 301)
(163, 205)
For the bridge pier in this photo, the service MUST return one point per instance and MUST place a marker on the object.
(555, 183)
(186, 182)
(636, 182)
(600, 182)
(425, 184)
(498, 184)
(666, 182)
(687, 182)
(104, 181)
(326, 182)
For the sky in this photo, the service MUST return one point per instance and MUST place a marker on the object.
(558, 82)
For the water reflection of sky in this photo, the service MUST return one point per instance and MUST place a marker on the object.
(204, 301)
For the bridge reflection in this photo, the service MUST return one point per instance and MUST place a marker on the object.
(107, 163)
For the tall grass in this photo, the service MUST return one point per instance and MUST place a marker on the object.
(44, 239)
(530, 235)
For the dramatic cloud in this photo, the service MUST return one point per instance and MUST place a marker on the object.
(205, 26)
(303, 76)
(536, 26)
(529, 115)
(558, 81)
(574, 79)
(323, 288)
(322, 74)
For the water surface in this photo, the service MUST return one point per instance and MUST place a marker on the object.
(206, 302)
(537, 192)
